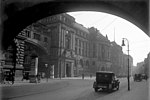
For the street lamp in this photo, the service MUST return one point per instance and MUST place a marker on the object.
(123, 44)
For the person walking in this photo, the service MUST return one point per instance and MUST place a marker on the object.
(12, 78)
(2, 77)
(83, 76)
(38, 77)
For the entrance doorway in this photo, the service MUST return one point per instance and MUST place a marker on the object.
(68, 69)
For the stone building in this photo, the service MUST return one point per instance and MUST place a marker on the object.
(59, 44)
(36, 45)
(62, 47)
(99, 51)
(147, 64)
(73, 49)
(81, 50)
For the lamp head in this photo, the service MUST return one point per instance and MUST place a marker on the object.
(123, 44)
(46, 65)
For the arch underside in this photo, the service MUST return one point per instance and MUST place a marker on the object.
(39, 49)
(18, 15)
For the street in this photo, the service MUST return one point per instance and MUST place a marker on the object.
(78, 89)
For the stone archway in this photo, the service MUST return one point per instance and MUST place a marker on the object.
(32, 51)
(18, 14)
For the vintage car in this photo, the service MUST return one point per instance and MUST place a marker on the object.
(137, 77)
(106, 80)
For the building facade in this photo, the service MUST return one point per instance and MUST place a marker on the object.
(60, 45)
(36, 46)
(147, 64)
(143, 67)
(74, 50)
(82, 62)
(99, 51)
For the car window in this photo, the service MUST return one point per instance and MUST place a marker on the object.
(106, 76)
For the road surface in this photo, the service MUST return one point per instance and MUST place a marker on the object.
(77, 89)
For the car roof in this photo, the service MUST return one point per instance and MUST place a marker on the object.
(109, 72)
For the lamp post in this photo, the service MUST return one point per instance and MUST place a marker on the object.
(46, 65)
(128, 61)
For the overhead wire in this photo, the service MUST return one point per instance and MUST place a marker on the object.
(109, 24)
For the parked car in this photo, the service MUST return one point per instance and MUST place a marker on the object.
(138, 77)
(106, 80)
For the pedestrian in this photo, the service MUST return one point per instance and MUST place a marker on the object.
(23, 75)
(146, 77)
(90, 75)
(12, 77)
(6, 77)
(38, 77)
(2, 77)
(83, 76)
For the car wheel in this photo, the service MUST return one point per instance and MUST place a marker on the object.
(110, 88)
(118, 87)
(96, 89)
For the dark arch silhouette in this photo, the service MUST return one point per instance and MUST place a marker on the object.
(18, 14)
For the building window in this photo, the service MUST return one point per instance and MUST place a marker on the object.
(76, 50)
(27, 33)
(45, 39)
(68, 41)
(87, 53)
(79, 51)
(64, 19)
(94, 50)
(76, 41)
(87, 63)
(81, 33)
(82, 52)
(81, 62)
(79, 43)
(37, 36)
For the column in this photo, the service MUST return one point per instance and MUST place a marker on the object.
(65, 68)
(72, 69)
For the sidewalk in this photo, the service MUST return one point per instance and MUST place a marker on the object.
(18, 81)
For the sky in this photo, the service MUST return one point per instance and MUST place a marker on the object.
(117, 28)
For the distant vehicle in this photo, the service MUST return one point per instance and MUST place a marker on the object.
(144, 76)
(106, 80)
(137, 77)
